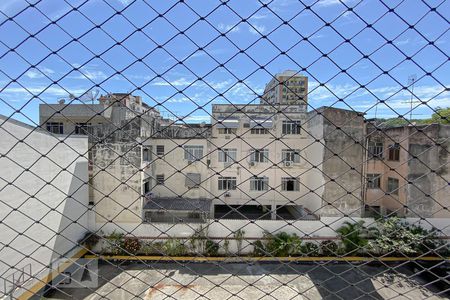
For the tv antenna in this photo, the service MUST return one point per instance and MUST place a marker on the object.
(89, 95)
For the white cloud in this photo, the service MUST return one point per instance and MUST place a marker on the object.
(198, 118)
(225, 28)
(92, 75)
(401, 42)
(44, 91)
(39, 72)
(183, 81)
(327, 3)
(256, 28)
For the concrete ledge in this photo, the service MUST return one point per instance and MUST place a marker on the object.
(274, 259)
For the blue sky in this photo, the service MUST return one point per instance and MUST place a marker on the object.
(129, 59)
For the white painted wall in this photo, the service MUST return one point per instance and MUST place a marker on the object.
(60, 196)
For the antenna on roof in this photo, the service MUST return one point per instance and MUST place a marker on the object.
(89, 95)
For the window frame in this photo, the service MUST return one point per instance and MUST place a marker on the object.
(259, 155)
(373, 181)
(394, 152)
(292, 154)
(226, 183)
(259, 184)
(375, 149)
(224, 155)
(160, 179)
(291, 127)
(50, 126)
(259, 131)
(147, 153)
(193, 152)
(295, 185)
(227, 130)
(390, 190)
(160, 150)
(83, 128)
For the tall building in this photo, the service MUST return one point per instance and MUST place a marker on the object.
(288, 87)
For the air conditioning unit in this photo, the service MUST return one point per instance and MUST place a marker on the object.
(227, 137)
(227, 194)
(252, 164)
(246, 125)
(288, 163)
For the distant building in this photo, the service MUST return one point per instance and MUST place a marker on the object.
(288, 87)
(407, 171)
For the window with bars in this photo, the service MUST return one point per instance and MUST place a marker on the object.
(226, 183)
(375, 149)
(160, 179)
(394, 152)
(227, 155)
(290, 155)
(55, 127)
(373, 181)
(393, 185)
(160, 150)
(290, 184)
(259, 155)
(259, 184)
(193, 152)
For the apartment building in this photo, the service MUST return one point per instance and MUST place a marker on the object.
(115, 127)
(407, 170)
(288, 87)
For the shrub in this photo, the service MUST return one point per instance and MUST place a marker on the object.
(174, 247)
(212, 248)
(89, 240)
(281, 244)
(309, 249)
(399, 238)
(131, 245)
(329, 248)
(115, 243)
(355, 236)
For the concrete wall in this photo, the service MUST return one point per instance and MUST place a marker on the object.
(173, 161)
(341, 133)
(50, 194)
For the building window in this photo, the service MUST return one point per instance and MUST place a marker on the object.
(55, 127)
(259, 155)
(227, 130)
(83, 128)
(147, 153)
(227, 183)
(160, 150)
(259, 131)
(291, 127)
(290, 155)
(373, 181)
(259, 184)
(393, 185)
(290, 184)
(193, 153)
(193, 180)
(160, 179)
(375, 149)
(394, 152)
(146, 187)
(227, 155)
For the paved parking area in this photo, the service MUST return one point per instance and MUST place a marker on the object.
(256, 281)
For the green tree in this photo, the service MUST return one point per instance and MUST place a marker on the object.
(355, 236)
(441, 116)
